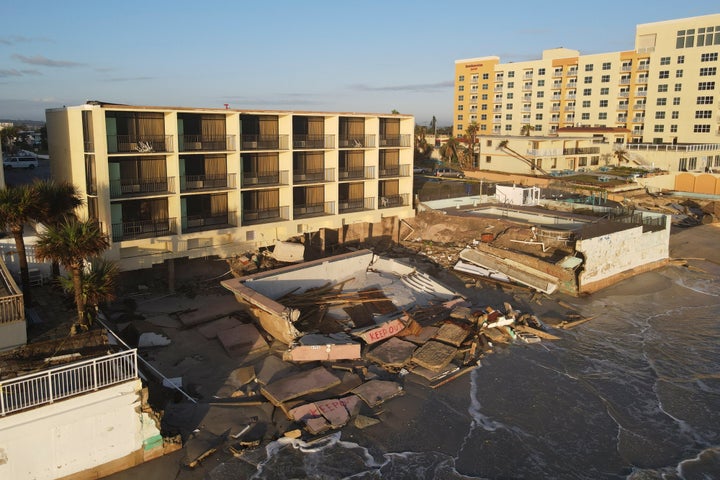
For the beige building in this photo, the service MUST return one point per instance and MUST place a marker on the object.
(663, 91)
(168, 182)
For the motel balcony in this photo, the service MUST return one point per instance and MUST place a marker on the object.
(313, 209)
(313, 142)
(403, 140)
(206, 143)
(264, 179)
(192, 183)
(137, 187)
(132, 230)
(265, 215)
(356, 204)
(264, 142)
(208, 221)
(139, 144)
(314, 176)
(395, 170)
(357, 141)
(390, 201)
(361, 173)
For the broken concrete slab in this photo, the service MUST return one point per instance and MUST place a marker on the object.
(393, 353)
(348, 381)
(433, 376)
(241, 376)
(272, 369)
(381, 331)
(452, 333)
(242, 340)
(361, 422)
(315, 347)
(223, 306)
(289, 252)
(426, 333)
(376, 392)
(434, 355)
(210, 330)
(299, 384)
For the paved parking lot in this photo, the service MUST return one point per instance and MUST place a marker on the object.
(19, 176)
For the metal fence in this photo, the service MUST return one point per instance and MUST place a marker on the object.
(58, 383)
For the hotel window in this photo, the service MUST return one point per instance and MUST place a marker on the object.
(483, 106)
(706, 86)
(692, 163)
(485, 86)
(678, 73)
(539, 105)
(589, 67)
(483, 116)
(663, 87)
(703, 114)
(508, 106)
(461, 98)
(602, 116)
(659, 128)
(665, 61)
(459, 117)
(605, 91)
(473, 88)
(681, 59)
(538, 116)
(659, 115)
(461, 88)
(709, 57)
(540, 94)
(474, 78)
(673, 128)
(664, 74)
(509, 95)
(460, 107)
(705, 36)
(585, 116)
(701, 128)
(461, 78)
(587, 91)
(675, 115)
(678, 87)
(586, 103)
(484, 96)
(603, 103)
(682, 165)
(483, 127)
(708, 71)
(508, 117)
(541, 83)
(606, 66)
(488, 159)
(541, 71)
(508, 128)
(705, 100)
(661, 101)
(587, 80)
(486, 76)
(605, 79)
(459, 126)
(511, 74)
(676, 100)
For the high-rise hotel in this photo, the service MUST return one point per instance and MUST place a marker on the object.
(666, 90)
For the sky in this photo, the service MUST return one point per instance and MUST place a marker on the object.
(336, 56)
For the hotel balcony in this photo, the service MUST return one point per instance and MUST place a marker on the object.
(528, 76)
(314, 176)
(357, 141)
(208, 221)
(313, 142)
(626, 68)
(622, 118)
(624, 81)
(206, 143)
(390, 201)
(642, 80)
(639, 106)
(572, 72)
(644, 66)
(356, 205)
(556, 85)
(139, 144)
(395, 170)
(581, 151)
(192, 183)
(638, 120)
(137, 187)
(641, 93)
(525, 121)
(403, 140)
(143, 229)
(264, 179)
(622, 106)
(263, 142)
(361, 173)
(623, 94)
(313, 210)
(265, 215)
(499, 78)
(498, 88)
(557, 74)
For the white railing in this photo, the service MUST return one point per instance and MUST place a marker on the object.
(59, 383)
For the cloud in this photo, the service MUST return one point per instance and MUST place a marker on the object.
(129, 79)
(45, 62)
(4, 73)
(417, 88)
(16, 39)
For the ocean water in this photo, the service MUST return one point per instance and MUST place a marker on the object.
(633, 394)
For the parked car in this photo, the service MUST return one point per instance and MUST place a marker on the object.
(448, 172)
(420, 170)
(20, 162)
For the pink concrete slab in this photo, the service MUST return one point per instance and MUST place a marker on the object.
(375, 392)
(303, 383)
(334, 411)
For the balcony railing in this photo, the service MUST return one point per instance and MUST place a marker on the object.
(48, 386)
(365, 173)
(301, 142)
(313, 209)
(395, 170)
(357, 141)
(265, 215)
(639, 106)
(263, 142)
(390, 201)
(356, 205)
(257, 179)
(206, 143)
(208, 221)
(403, 140)
(190, 183)
(12, 305)
(581, 151)
(143, 229)
(141, 186)
(314, 176)
(139, 143)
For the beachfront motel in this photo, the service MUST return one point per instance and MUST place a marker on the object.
(172, 182)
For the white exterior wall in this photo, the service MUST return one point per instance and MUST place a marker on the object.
(72, 435)
(614, 253)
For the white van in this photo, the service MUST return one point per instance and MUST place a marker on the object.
(20, 162)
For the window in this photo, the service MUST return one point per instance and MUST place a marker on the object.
(538, 116)
(589, 67)
(509, 95)
(603, 103)
(708, 71)
(461, 88)
(541, 71)
(705, 100)
(582, 161)
(484, 96)
(676, 100)
(665, 61)
(587, 91)
(673, 128)
(703, 114)
(661, 101)
(585, 116)
(508, 106)
(459, 126)
(539, 105)
(682, 165)
(508, 128)
(538, 127)
(678, 87)
(508, 117)
(488, 159)
(678, 73)
(486, 76)
(483, 116)
(483, 106)
(461, 98)
(460, 107)
(459, 117)
(483, 127)
(473, 88)
(692, 163)
(511, 74)
(606, 66)
(605, 78)
(659, 128)
(663, 87)
(586, 103)
(541, 83)
(474, 78)
(705, 36)
(709, 57)
(701, 129)
(540, 94)
(602, 116)
(605, 91)
(588, 80)
(685, 38)
(461, 78)
(659, 115)
(681, 59)
(706, 86)
(675, 115)
(485, 86)
(664, 74)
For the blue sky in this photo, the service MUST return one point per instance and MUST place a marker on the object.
(361, 56)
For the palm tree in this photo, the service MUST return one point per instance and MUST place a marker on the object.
(621, 154)
(56, 201)
(450, 151)
(71, 242)
(526, 129)
(18, 206)
(471, 133)
(98, 285)
(529, 161)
